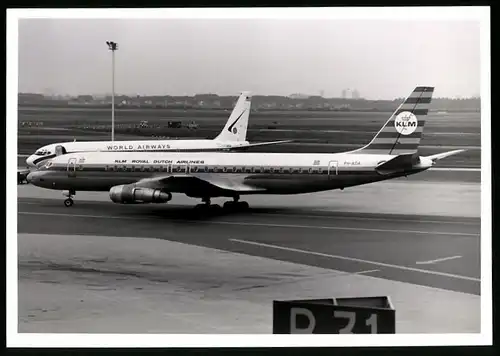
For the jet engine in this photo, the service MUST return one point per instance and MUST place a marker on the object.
(129, 194)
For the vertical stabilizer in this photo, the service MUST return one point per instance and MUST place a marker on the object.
(402, 133)
(236, 126)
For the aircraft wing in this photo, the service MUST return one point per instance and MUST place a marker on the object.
(256, 144)
(197, 184)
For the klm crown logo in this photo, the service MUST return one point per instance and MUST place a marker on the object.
(406, 123)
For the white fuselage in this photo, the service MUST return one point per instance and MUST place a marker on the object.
(268, 173)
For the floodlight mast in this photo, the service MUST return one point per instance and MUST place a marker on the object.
(112, 46)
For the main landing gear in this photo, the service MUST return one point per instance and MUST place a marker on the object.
(68, 202)
(234, 205)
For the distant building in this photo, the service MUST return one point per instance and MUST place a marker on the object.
(299, 96)
(350, 94)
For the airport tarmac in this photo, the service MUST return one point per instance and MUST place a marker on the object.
(97, 265)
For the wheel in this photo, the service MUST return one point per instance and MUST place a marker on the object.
(243, 205)
(68, 202)
(200, 208)
(229, 205)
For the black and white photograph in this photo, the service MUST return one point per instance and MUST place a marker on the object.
(232, 176)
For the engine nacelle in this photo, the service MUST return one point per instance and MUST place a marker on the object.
(129, 194)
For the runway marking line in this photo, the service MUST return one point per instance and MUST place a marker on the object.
(353, 259)
(255, 224)
(437, 260)
(364, 218)
(331, 217)
(365, 272)
(451, 169)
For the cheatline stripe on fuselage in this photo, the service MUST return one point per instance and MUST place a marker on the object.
(214, 168)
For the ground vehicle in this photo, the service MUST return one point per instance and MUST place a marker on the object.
(22, 174)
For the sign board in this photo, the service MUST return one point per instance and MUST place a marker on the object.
(369, 315)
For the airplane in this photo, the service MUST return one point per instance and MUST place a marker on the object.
(152, 177)
(232, 137)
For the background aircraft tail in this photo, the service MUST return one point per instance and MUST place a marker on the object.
(402, 133)
(236, 126)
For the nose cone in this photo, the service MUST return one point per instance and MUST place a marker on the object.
(34, 178)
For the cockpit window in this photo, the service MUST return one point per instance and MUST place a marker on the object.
(42, 152)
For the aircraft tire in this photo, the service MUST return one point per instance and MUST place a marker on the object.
(243, 205)
(68, 202)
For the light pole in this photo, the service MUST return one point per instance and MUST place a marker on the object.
(113, 46)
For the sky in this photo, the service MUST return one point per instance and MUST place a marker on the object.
(382, 59)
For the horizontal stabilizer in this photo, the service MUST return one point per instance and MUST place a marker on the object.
(439, 156)
(257, 144)
(398, 163)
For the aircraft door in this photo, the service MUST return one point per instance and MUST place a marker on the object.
(71, 167)
(333, 169)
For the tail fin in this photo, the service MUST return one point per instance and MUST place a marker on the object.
(236, 126)
(402, 133)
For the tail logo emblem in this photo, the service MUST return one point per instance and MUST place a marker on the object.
(406, 123)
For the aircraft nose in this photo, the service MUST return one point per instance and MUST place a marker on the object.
(29, 177)
(29, 161)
